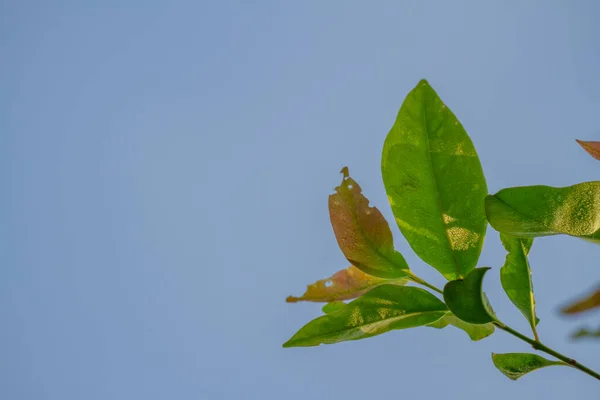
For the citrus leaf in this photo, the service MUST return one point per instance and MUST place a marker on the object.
(362, 232)
(593, 148)
(515, 365)
(515, 276)
(346, 284)
(590, 302)
(380, 310)
(533, 211)
(333, 307)
(435, 184)
(466, 300)
(475, 332)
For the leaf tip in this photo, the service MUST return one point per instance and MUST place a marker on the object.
(291, 299)
(345, 171)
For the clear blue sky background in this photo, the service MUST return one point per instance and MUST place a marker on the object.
(165, 167)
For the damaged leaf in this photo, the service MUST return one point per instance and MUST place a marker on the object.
(346, 284)
(362, 232)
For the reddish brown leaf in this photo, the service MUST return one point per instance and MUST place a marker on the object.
(593, 148)
(346, 284)
(362, 232)
(588, 303)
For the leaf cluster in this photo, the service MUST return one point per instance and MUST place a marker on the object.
(438, 195)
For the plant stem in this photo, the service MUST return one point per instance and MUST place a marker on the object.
(536, 344)
(420, 281)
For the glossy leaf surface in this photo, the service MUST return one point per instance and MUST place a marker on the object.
(380, 310)
(515, 365)
(362, 232)
(475, 332)
(466, 300)
(346, 284)
(435, 184)
(515, 276)
(533, 211)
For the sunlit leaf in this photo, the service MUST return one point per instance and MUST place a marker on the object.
(587, 303)
(435, 184)
(515, 365)
(586, 333)
(333, 307)
(362, 232)
(593, 148)
(346, 284)
(475, 332)
(515, 276)
(380, 310)
(532, 211)
(466, 300)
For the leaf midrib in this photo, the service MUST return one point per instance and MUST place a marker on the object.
(437, 190)
(390, 320)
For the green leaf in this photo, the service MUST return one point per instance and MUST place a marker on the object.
(380, 310)
(435, 184)
(515, 365)
(346, 284)
(515, 276)
(362, 232)
(533, 211)
(593, 148)
(333, 307)
(475, 332)
(466, 300)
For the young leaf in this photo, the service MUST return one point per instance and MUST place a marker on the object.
(466, 300)
(362, 232)
(515, 365)
(346, 284)
(435, 184)
(533, 211)
(588, 303)
(380, 310)
(475, 332)
(515, 276)
(593, 148)
(333, 307)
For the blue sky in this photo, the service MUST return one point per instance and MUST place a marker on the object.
(165, 168)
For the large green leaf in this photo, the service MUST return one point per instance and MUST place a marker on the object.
(515, 276)
(362, 232)
(532, 211)
(515, 365)
(466, 300)
(382, 309)
(435, 184)
(475, 332)
(346, 284)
